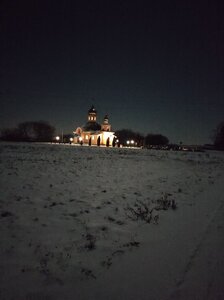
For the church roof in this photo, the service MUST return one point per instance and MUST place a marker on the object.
(91, 126)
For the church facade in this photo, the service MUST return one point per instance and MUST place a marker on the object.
(93, 133)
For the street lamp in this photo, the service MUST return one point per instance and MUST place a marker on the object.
(57, 138)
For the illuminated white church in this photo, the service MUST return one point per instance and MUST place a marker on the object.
(93, 133)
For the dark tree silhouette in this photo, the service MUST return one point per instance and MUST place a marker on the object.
(156, 139)
(218, 137)
(124, 135)
(10, 134)
(114, 142)
(98, 141)
(29, 132)
(43, 131)
(67, 137)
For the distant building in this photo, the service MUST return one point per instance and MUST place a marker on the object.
(92, 133)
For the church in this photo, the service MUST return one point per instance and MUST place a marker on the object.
(92, 133)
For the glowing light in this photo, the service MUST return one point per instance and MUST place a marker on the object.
(132, 142)
(57, 138)
(128, 142)
(80, 139)
(71, 139)
(117, 141)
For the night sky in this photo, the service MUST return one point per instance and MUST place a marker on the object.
(153, 66)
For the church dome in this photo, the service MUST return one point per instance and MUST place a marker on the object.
(92, 110)
(91, 126)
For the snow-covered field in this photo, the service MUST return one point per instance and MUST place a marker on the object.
(102, 223)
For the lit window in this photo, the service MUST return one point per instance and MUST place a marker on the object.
(86, 136)
(92, 137)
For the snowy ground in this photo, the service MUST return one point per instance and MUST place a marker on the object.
(99, 223)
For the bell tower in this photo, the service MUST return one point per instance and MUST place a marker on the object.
(92, 114)
(106, 126)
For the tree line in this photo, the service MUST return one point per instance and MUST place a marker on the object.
(29, 132)
(42, 131)
(151, 139)
(127, 135)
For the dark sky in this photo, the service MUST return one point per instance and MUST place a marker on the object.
(153, 66)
